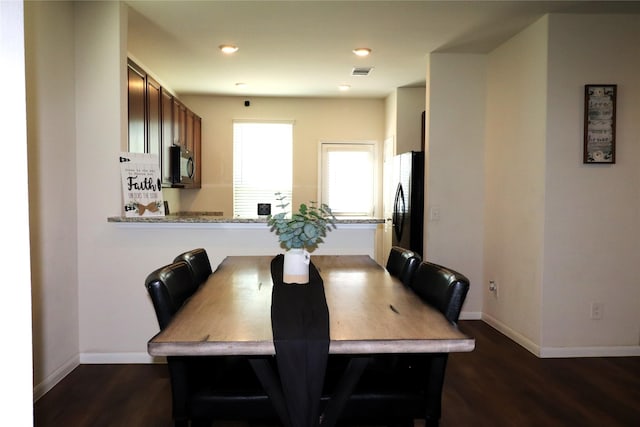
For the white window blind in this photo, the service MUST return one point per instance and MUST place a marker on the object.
(348, 178)
(262, 165)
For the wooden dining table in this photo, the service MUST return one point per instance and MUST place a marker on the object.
(369, 312)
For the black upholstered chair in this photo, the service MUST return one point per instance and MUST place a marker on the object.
(396, 389)
(198, 261)
(169, 287)
(204, 389)
(441, 288)
(402, 263)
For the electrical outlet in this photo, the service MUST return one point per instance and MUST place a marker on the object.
(493, 287)
(596, 310)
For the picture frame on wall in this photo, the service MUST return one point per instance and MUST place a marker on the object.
(600, 123)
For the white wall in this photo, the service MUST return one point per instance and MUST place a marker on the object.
(15, 317)
(109, 318)
(403, 113)
(49, 43)
(560, 234)
(455, 167)
(106, 290)
(410, 105)
(391, 116)
(115, 317)
(114, 260)
(315, 119)
(515, 183)
(592, 238)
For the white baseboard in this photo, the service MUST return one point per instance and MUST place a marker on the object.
(516, 336)
(470, 315)
(118, 358)
(618, 351)
(562, 352)
(50, 381)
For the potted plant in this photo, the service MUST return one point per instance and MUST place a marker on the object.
(300, 234)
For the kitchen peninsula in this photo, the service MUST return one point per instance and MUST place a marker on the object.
(252, 236)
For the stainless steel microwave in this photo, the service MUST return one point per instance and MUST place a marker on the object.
(182, 165)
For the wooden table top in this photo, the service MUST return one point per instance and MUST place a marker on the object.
(231, 313)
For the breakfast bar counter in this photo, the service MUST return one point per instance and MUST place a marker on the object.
(247, 236)
(212, 218)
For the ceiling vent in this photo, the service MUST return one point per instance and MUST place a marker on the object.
(361, 71)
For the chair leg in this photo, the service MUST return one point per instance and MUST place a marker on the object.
(431, 423)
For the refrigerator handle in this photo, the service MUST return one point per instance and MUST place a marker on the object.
(398, 212)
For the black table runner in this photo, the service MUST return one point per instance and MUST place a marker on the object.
(300, 324)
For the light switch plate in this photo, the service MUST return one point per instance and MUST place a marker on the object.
(434, 214)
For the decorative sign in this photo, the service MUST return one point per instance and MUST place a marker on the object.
(141, 185)
(599, 124)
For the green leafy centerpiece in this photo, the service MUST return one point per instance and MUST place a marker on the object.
(300, 234)
(305, 229)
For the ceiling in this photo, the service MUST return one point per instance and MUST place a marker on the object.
(304, 48)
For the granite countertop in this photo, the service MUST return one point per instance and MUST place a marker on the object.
(212, 217)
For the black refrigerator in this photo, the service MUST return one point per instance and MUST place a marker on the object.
(408, 201)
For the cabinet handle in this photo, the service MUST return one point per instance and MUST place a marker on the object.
(190, 167)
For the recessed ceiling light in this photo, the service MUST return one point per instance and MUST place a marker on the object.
(362, 51)
(344, 87)
(228, 48)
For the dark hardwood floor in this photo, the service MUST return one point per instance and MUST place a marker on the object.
(498, 384)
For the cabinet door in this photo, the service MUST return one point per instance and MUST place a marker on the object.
(197, 150)
(190, 170)
(167, 135)
(179, 123)
(154, 118)
(189, 130)
(136, 109)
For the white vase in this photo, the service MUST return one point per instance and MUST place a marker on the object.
(296, 266)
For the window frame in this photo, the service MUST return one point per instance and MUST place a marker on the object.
(375, 176)
(288, 192)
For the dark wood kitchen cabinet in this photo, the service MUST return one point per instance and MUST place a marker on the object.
(197, 150)
(179, 123)
(154, 118)
(167, 134)
(158, 121)
(187, 134)
(136, 79)
(192, 136)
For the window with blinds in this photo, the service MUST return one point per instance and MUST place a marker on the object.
(348, 178)
(262, 165)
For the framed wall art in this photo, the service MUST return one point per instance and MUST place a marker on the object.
(599, 124)
(141, 185)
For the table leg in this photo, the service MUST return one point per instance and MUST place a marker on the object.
(435, 382)
(271, 384)
(345, 387)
